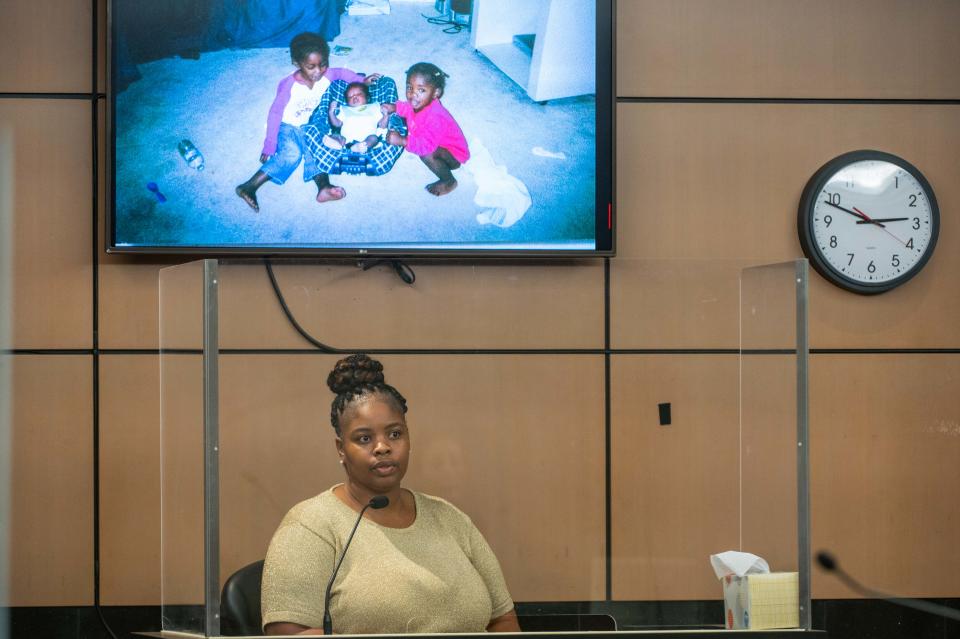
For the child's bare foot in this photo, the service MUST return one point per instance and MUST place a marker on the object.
(332, 142)
(442, 187)
(331, 193)
(249, 197)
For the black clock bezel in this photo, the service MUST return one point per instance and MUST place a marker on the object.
(805, 221)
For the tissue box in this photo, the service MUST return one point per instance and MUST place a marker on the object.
(759, 601)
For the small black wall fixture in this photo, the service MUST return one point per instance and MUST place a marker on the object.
(664, 409)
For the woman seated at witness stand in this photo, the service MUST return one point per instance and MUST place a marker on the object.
(418, 565)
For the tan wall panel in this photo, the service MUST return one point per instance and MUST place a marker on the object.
(52, 226)
(723, 181)
(716, 181)
(885, 450)
(129, 480)
(277, 446)
(449, 306)
(51, 489)
(674, 303)
(102, 51)
(47, 46)
(129, 306)
(768, 459)
(182, 478)
(518, 462)
(811, 49)
(674, 494)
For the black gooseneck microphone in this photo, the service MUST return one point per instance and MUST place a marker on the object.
(829, 563)
(378, 502)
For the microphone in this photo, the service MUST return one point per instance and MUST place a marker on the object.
(378, 502)
(829, 563)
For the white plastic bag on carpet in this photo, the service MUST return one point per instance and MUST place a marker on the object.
(368, 7)
(503, 197)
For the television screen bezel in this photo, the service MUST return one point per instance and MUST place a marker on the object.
(605, 201)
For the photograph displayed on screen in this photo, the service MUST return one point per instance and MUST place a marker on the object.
(339, 126)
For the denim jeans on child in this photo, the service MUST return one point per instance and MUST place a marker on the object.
(291, 148)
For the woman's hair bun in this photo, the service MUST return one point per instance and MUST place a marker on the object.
(353, 372)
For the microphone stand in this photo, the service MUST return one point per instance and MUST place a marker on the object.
(829, 563)
(376, 503)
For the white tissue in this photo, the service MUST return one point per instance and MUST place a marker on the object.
(736, 563)
(504, 197)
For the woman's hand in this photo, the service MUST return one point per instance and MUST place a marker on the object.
(505, 623)
(288, 628)
(396, 139)
(373, 77)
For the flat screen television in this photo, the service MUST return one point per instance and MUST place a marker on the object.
(226, 132)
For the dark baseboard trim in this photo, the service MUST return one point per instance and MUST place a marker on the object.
(81, 622)
(840, 618)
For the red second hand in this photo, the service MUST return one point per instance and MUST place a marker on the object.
(869, 219)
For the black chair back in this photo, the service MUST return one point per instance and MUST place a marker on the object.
(240, 602)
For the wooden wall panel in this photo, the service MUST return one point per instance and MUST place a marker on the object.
(277, 446)
(703, 189)
(129, 307)
(130, 480)
(885, 437)
(516, 442)
(810, 49)
(674, 488)
(182, 478)
(767, 438)
(52, 229)
(450, 306)
(47, 46)
(656, 304)
(723, 181)
(51, 488)
(102, 51)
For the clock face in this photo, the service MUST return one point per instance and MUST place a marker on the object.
(868, 221)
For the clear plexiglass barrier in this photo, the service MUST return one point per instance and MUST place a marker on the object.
(607, 425)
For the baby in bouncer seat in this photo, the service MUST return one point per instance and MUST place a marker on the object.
(362, 125)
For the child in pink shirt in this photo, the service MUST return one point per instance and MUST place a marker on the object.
(432, 133)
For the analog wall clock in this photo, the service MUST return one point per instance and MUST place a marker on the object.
(868, 221)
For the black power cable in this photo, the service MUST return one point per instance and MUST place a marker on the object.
(452, 26)
(403, 271)
(293, 320)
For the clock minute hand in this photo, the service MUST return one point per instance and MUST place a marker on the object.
(866, 219)
(883, 219)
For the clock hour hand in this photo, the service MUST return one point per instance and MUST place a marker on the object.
(866, 219)
(883, 219)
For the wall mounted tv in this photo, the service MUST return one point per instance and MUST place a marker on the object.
(229, 136)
